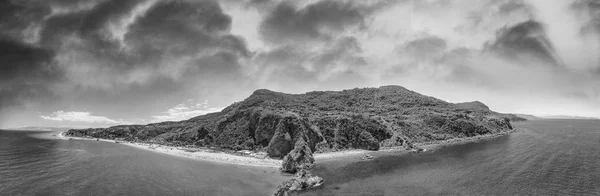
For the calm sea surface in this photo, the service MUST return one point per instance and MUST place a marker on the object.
(547, 157)
(32, 163)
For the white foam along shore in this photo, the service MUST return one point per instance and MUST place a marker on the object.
(197, 153)
(423, 146)
(339, 154)
(262, 160)
(217, 156)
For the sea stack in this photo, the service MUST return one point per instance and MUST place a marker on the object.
(301, 181)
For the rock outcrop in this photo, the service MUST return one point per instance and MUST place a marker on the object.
(299, 158)
(302, 181)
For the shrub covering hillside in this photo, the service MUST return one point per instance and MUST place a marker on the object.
(294, 126)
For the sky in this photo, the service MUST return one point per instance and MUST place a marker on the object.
(98, 63)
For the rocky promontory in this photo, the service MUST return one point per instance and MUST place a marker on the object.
(293, 127)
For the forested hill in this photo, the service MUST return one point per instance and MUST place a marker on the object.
(294, 126)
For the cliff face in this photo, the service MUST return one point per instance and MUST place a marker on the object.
(294, 126)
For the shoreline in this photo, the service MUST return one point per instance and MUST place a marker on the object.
(196, 154)
(223, 157)
(426, 146)
(339, 154)
(457, 141)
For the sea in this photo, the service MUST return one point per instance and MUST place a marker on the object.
(543, 157)
(36, 163)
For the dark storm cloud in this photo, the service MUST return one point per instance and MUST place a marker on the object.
(185, 28)
(25, 69)
(116, 51)
(312, 44)
(91, 22)
(525, 42)
(167, 23)
(88, 25)
(167, 31)
(318, 21)
(18, 58)
(24, 72)
(17, 16)
(106, 55)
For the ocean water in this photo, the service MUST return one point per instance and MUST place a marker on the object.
(545, 157)
(32, 163)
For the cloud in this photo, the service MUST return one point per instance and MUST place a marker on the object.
(526, 41)
(425, 48)
(435, 47)
(25, 72)
(321, 20)
(133, 59)
(190, 108)
(90, 53)
(112, 44)
(311, 44)
(146, 41)
(86, 117)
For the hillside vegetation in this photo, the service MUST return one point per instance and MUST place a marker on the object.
(294, 126)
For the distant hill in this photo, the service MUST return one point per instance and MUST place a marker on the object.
(35, 128)
(294, 126)
(569, 117)
(528, 116)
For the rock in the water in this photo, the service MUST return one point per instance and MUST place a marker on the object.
(301, 181)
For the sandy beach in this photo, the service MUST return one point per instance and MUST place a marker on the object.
(197, 154)
(253, 159)
(339, 154)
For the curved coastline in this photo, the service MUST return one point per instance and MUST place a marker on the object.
(428, 146)
(197, 154)
(253, 160)
(458, 141)
(226, 158)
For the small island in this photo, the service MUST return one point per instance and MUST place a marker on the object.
(288, 130)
